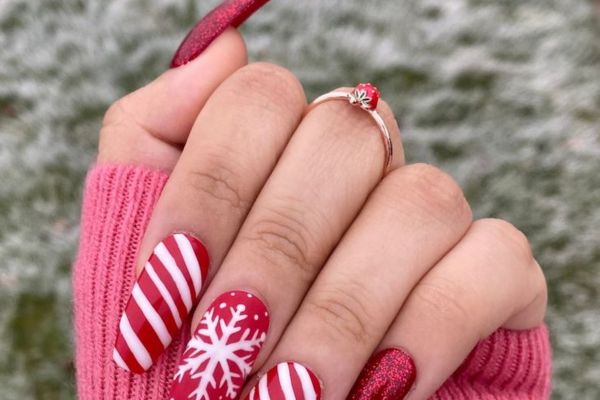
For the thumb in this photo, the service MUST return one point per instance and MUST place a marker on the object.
(151, 125)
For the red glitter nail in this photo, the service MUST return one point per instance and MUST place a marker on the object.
(389, 375)
(229, 13)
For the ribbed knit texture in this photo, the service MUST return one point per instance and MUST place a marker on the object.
(118, 202)
(509, 365)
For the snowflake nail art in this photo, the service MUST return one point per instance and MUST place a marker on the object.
(222, 351)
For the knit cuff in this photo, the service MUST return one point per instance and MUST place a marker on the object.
(508, 365)
(118, 202)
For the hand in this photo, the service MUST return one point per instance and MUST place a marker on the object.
(313, 257)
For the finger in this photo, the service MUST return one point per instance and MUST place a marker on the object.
(151, 125)
(489, 280)
(328, 169)
(411, 220)
(230, 153)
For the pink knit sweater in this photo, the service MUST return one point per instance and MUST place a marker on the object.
(118, 202)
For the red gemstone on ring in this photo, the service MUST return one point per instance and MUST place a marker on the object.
(367, 95)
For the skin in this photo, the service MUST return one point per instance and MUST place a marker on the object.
(292, 207)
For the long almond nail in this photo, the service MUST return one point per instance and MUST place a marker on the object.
(389, 374)
(164, 294)
(229, 13)
(223, 349)
(287, 381)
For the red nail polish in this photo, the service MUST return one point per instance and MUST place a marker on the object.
(389, 374)
(164, 294)
(229, 13)
(223, 349)
(287, 381)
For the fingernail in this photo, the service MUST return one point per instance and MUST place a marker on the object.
(223, 349)
(389, 374)
(229, 13)
(163, 296)
(287, 381)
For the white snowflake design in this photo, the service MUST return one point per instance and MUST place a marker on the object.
(219, 353)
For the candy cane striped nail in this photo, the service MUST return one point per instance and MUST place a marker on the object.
(163, 296)
(287, 381)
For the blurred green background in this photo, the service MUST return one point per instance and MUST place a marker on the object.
(505, 95)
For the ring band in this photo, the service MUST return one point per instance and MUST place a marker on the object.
(366, 96)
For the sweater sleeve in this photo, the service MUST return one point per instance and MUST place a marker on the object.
(117, 205)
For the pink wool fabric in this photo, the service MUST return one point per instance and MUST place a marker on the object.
(118, 203)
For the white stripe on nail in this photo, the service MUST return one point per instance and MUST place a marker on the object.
(135, 345)
(164, 292)
(285, 381)
(191, 262)
(168, 261)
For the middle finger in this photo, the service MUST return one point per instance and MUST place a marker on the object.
(319, 185)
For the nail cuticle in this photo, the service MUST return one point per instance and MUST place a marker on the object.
(196, 236)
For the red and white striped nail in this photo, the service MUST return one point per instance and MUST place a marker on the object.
(223, 349)
(287, 381)
(163, 296)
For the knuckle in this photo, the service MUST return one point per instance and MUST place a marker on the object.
(444, 302)
(219, 183)
(342, 313)
(540, 284)
(271, 83)
(281, 238)
(430, 189)
(503, 233)
(539, 279)
(114, 113)
(119, 117)
(115, 116)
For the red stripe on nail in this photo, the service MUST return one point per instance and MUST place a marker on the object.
(167, 279)
(171, 245)
(295, 379)
(159, 304)
(145, 331)
(274, 387)
(122, 350)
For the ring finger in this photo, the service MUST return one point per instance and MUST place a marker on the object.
(325, 174)
(412, 219)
